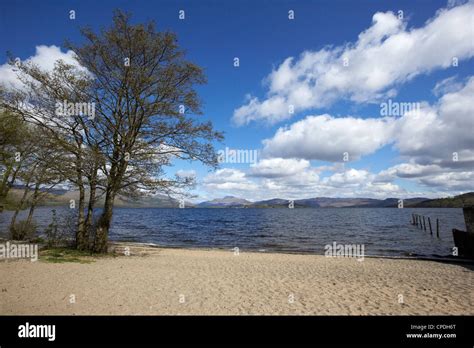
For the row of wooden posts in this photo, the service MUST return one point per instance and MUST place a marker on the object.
(419, 221)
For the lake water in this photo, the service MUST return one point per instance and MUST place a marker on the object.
(382, 231)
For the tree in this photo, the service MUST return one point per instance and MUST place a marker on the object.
(145, 115)
(39, 102)
(29, 159)
(13, 133)
(143, 90)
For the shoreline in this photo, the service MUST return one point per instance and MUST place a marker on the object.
(176, 281)
(439, 258)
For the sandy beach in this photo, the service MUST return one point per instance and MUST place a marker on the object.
(159, 281)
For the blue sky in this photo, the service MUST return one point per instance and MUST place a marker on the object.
(399, 163)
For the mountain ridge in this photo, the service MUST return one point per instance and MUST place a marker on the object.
(362, 202)
(62, 197)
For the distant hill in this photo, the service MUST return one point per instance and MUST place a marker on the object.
(318, 202)
(156, 201)
(271, 203)
(226, 202)
(466, 199)
(62, 197)
(328, 202)
(392, 203)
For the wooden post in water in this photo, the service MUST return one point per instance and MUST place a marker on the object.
(469, 218)
(424, 223)
(421, 224)
(429, 222)
(464, 240)
(412, 218)
(437, 228)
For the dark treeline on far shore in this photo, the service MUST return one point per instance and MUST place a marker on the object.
(62, 198)
(466, 199)
(104, 127)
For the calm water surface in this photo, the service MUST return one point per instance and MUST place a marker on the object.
(383, 231)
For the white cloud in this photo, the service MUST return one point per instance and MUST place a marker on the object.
(45, 58)
(327, 138)
(293, 178)
(437, 141)
(350, 177)
(430, 135)
(447, 85)
(385, 55)
(455, 180)
(459, 181)
(186, 173)
(227, 179)
(407, 170)
(278, 167)
(273, 182)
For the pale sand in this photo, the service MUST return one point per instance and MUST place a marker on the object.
(218, 282)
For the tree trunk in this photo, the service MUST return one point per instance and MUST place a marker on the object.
(92, 197)
(4, 183)
(103, 225)
(15, 215)
(3, 186)
(91, 204)
(33, 203)
(82, 239)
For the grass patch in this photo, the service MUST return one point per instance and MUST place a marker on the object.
(38, 240)
(61, 255)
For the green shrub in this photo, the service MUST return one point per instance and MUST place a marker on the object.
(23, 230)
(60, 230)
